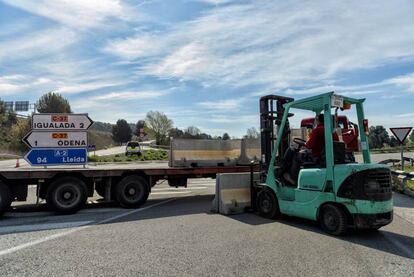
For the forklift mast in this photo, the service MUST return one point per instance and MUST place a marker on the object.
(271, 113)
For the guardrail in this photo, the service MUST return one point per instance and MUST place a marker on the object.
(404, 177)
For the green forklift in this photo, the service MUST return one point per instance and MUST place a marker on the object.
(335, 191)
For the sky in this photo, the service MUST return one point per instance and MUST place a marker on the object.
(207, 62)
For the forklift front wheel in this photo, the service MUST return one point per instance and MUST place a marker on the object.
(333, 220)
(267, 203)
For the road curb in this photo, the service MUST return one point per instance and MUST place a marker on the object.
(408, 192)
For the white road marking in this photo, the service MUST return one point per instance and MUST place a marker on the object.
(100, 210)
(134, 211)
(35, 242)
(76, 229)
(28, 214)
(177, 189)
(41, 227)
(170, 192)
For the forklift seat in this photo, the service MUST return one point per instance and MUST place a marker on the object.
(339, 154)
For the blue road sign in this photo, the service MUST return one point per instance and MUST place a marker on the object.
(60, 156)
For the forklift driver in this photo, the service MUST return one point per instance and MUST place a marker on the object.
(293, 159)
(316, 142)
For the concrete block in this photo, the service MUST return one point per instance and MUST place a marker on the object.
(205, 152)
(232, 193)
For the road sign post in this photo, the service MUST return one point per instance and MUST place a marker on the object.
(401, 134)
(58, 139)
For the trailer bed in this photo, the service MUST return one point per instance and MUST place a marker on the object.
(127, 183)
(113, 170)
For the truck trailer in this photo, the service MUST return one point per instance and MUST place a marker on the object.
(66, 189)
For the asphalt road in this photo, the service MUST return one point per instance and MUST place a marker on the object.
(175, 234)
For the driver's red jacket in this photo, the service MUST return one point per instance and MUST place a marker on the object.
(316, 142)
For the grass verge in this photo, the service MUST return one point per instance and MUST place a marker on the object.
(147, 155)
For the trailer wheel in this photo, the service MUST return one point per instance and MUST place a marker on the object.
(267, 204)
(5, 197)
(132, 191)
(333, 220)
(66, 195)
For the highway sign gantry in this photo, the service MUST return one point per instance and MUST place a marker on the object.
(57, 139)
(61, 121)
(63, 156)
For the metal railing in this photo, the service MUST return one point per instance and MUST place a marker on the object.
(404, 177)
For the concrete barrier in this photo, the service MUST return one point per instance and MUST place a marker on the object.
(205, 152)
(232, 193)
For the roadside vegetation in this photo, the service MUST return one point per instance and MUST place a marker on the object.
(147, 155)
(381, 142)
(398, 184)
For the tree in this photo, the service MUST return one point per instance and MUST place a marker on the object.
(159, 124)
(53, 102)
(121, 131)
(18, 132)
(412, 137)
(138, 127)
(393, 142)
(225, 136)
(193, 131)
(175, 133)
(7, 118)
(378, 136)
(2, 112)
(252, 133)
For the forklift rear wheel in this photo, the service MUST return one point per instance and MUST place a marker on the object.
(5, 198)
(67, 195)
(267, 203)
(333, 220)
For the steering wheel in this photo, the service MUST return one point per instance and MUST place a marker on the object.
(299, 141)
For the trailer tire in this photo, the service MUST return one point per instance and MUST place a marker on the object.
(333, 220)
(267, 204)
(66, 195)
(132, 191)
(5, 197)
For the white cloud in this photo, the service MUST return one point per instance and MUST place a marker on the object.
(405, 82)
(186, 62)
(221, 105)
(83, 87)
(215, 2)
(74, 13)
(12, 84)
(248, 120)
(129, 95)
(35, 44)
(277, 44)
(405, 115)
(138, 46)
